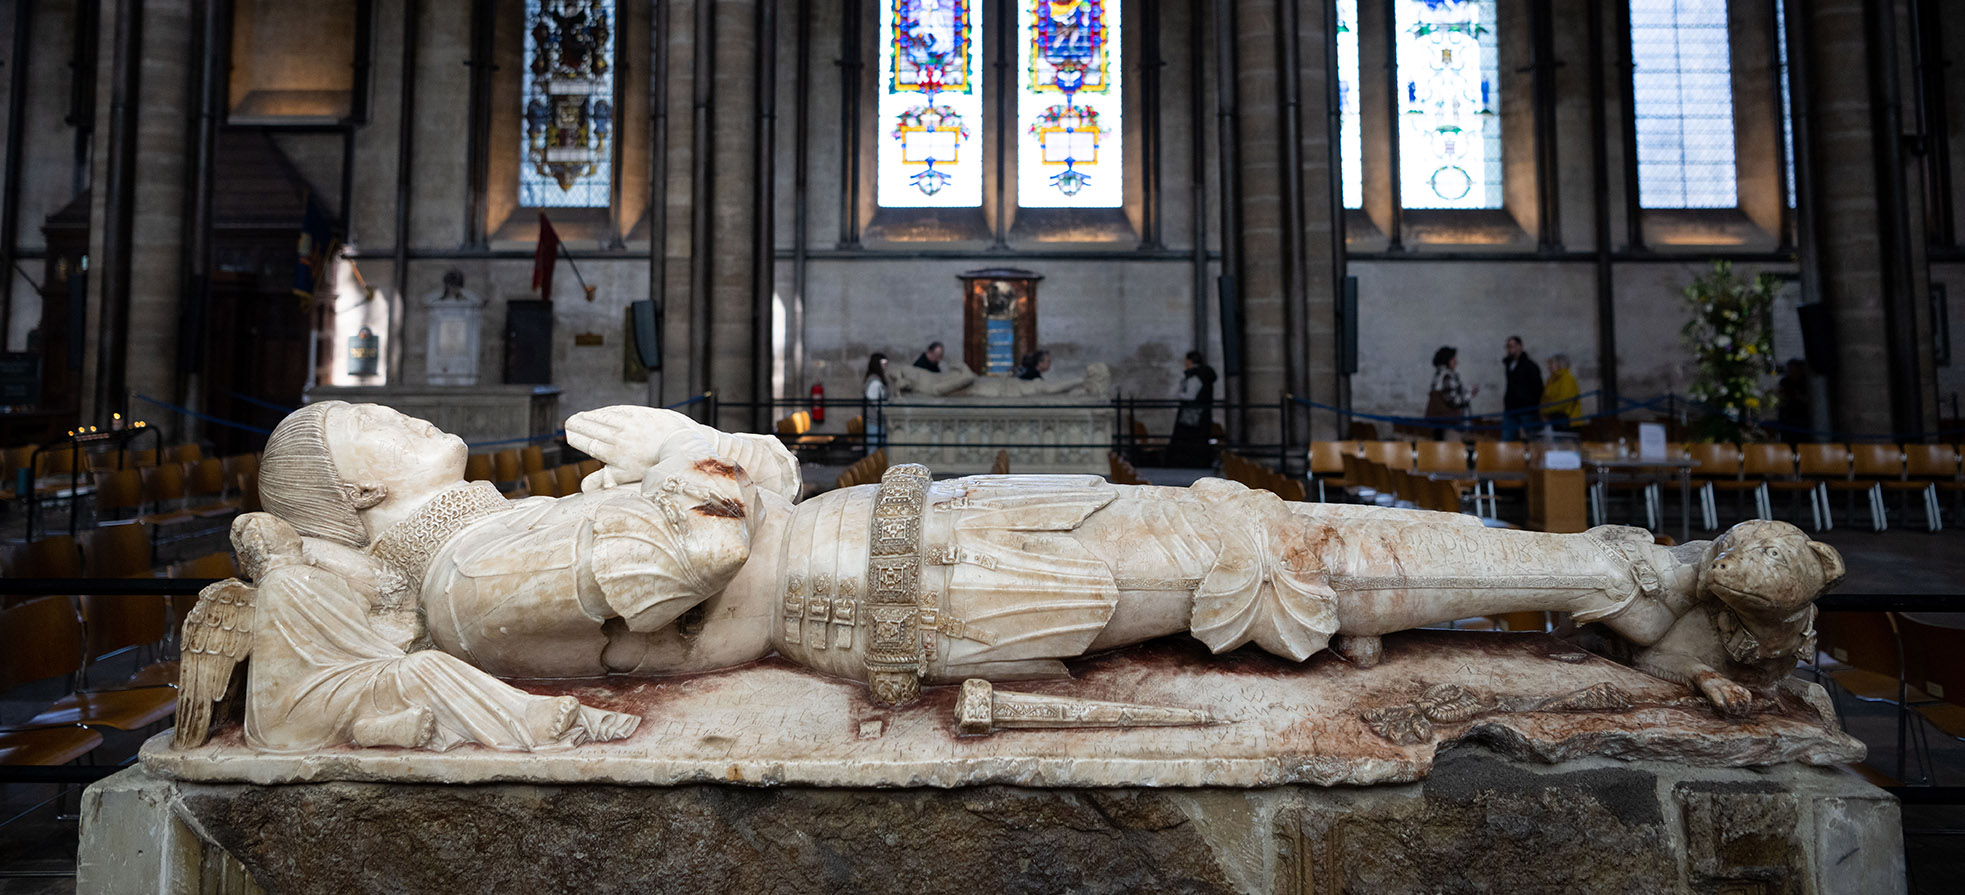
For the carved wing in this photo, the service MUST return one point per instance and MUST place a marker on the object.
(217, 635)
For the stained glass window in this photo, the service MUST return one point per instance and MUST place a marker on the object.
(1787, 100)
(1683, 85)
(1070, 81)
(1449, 121)
(1350, 142)
(930, 104)
(568, 104)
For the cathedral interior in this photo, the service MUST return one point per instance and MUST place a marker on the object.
(499, 213)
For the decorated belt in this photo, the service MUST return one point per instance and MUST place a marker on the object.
(894, 649)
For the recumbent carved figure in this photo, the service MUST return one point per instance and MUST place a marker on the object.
(686, 553)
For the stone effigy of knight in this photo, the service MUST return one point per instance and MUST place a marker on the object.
(391, 599)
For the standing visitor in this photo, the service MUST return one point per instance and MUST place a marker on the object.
(876, 391)
(1518, 403)
(1195, 420)
(1561, 404)
(1446, 403)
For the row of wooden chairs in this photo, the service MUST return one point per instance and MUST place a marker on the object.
(1237, 468)
(560, 481)
(508, 468)
(1499, 465)
(1888, 657)
(1821, 469)
(865, 471)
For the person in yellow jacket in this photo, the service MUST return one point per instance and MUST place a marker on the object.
(1560, 405)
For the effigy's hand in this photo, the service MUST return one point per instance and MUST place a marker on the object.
(628, 440)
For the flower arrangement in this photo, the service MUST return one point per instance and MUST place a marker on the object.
(1731, 338)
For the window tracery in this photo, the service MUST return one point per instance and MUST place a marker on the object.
(1450, 127)
(930, 104)
(1070, 135)
(567, 104)
(1682, 84)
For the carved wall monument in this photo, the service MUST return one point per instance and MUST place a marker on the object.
(456, 323)
(410, 598)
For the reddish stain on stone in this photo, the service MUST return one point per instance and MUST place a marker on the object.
(715, 467)
(722, 507)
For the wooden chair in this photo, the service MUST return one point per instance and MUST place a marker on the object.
(589, 466)
(164, 492)
(1869, 467)
(477, 468)
(1767, 467)
(184, 453)
(1002, 464)
(205, 489)
(113, 623)
(117, 551)
(1327, 465)
(795, 431)
(1498, 465)
(28, 654)
(43, 639)
(118, 492)
(248, 485)
(541, 483)
(1930, 469)
(238, 463)
(532, 458)
(505, 469)
(1931, 665)
(1390, 454)
(566, 479)
(1718, 467)
(53, 556)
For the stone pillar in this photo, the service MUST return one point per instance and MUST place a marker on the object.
(136, 279)
(1855, 234)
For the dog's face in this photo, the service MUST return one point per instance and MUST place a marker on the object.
(1769, 573)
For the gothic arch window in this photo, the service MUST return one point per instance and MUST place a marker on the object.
(1066, 73)
(567, 104)
(1350, 121)
(930, 104)
(1682, 85)
(1070, 81)
(1449, 104)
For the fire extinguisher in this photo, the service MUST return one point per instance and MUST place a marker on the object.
(818, 402)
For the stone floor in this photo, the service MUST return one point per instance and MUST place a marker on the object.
(38, 833)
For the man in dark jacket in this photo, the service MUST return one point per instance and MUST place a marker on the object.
(931, 360)
(1518, 404)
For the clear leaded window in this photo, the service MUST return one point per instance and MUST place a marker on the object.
(1350, 141)
(930, 104)
(1070, 80)
(1449, 126)
(568, 104)
(1787, 100)
(1682, 81)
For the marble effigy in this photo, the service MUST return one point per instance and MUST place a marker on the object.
(682, 620)
(953, 421)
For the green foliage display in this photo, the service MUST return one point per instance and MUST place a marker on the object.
(1730, 334)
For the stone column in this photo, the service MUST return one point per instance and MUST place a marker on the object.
(137, 219)
(1855, 228)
